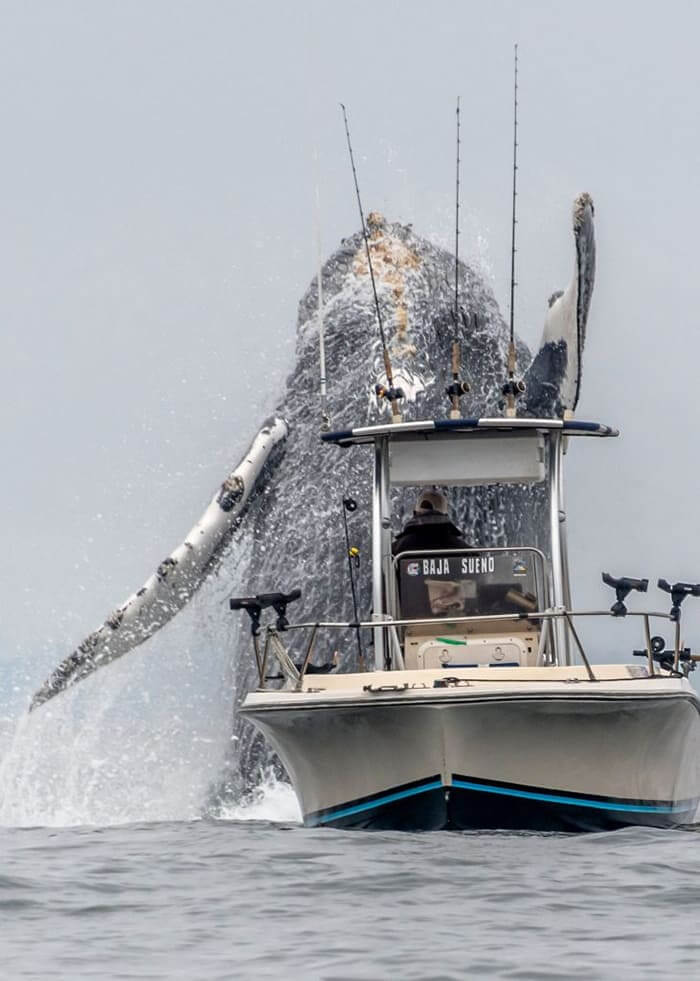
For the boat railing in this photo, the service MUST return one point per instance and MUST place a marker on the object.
(676, 661)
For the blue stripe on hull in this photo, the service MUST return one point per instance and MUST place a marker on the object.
(572, 801)
(397, 808)
(468, 804)
(378, 802)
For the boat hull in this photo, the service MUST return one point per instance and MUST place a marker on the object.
(538, 761)
(471, 805)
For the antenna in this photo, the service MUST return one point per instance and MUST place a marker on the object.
(325, 417)
(392, 394)
(457, 388)
(513, 388)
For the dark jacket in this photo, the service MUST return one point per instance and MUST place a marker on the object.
(426, 532)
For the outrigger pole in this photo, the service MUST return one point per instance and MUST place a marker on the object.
(513, 388)
(390, 393)
(457, 388)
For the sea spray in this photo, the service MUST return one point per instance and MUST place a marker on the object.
(143, 740)
(272, 800)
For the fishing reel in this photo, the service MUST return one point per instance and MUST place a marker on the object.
(390, 394)
(623, 587)
(513, 389)
(457, 389)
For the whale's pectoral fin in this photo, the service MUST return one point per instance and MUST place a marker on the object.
(553, 380)
(178, 577)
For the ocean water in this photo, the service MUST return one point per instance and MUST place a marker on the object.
(256, 895)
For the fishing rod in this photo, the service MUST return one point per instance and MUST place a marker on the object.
(457, 227)
(458, 387)
(325, 417)
(391, 394)
(512, 388)
(515, 195)
(353, 553)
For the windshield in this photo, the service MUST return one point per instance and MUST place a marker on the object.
(473, 583)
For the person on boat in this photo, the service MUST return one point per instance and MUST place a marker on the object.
(430, 528)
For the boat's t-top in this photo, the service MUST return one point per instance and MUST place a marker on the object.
(462, 602)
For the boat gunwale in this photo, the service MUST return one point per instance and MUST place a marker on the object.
(280, 701)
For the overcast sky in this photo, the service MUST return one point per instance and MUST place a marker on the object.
(156, 234)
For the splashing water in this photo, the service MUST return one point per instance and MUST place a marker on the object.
(142, 741)
(273, 800)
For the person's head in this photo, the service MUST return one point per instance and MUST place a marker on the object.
(430, 501)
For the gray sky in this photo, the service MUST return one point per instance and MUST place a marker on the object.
(156, 234)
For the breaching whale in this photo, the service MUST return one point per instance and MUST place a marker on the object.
(268, 509)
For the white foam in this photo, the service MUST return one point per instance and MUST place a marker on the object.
(274, 801)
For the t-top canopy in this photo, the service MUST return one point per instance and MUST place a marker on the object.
(493, 427)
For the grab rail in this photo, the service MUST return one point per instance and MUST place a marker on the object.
(296, 674)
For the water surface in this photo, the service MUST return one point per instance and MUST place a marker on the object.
(221, 899)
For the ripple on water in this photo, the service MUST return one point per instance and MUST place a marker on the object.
(235, 898)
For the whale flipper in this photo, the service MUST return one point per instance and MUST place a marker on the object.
(553, 380)
(177, 578)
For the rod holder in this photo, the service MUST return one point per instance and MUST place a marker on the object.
(254, 605)
(623, 587)
(678, 592)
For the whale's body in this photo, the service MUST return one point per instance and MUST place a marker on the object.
(287, 518)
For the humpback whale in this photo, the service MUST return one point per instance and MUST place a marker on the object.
(267, 526)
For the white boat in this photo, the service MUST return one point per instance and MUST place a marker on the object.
(481, 709)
